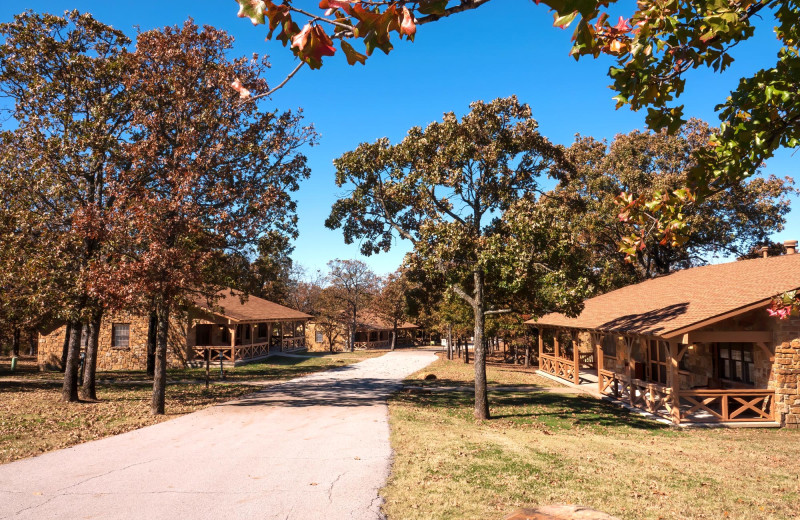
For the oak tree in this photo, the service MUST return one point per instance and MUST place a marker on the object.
(463, 192)
(354, 285)
(207, 175)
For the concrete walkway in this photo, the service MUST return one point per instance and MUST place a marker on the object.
(314, 447)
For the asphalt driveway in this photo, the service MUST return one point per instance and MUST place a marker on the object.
(314, 447)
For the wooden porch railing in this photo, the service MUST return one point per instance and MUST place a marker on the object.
(199, 352)
(562, 368)
(693, 406)
(741, 405)
(362, 345)
(289, 344)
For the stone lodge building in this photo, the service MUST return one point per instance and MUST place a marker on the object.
(695, 346)
(236, 330)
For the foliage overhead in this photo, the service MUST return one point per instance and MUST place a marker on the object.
(729, 222)
(654, 46)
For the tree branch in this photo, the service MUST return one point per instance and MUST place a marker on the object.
(465, 5)
(498, 311)
(280, 85)
(466, 297)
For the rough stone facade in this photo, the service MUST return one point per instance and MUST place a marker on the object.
(786, 381)
(133, 357)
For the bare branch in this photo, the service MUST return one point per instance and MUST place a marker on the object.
(498, 311)
(465, 5)
(281, 84)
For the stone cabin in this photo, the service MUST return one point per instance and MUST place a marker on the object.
(373, 332)
(695, 346)
(236, 330)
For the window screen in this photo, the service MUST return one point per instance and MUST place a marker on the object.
(120, 335)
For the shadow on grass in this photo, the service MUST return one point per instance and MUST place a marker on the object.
(552, 409)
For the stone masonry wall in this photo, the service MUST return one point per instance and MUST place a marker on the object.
(786, 380)
(134, 357)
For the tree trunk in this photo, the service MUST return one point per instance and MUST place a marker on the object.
(527, 352)
(152, 331)
(353, 326)
(449, 342)
(15, 342)
(89, 387)
(65, 347)
(481, 397)
(394, 336)
(160, 372)
(69, 391)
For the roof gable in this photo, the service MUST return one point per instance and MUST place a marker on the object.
(253, 308)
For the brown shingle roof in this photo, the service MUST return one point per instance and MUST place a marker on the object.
(253, 309)
(370, 321)
(672, 304)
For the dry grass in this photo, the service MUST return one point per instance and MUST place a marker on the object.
(34, 420)
(545, 448)
(458, 373)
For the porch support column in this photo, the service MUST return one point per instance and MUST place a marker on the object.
(556, 345)
(282, 336)
(674, 380)
(541, 345)
(269, 336)
(233, 341)
(598, 348)
(576, 359)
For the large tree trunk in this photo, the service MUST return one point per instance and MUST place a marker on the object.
(152, 331)
(89, 387)
(527, 351)
(65, 347)
(69, 391)
(481, 397)
(449, 342)
(160, 373)
(15, 342)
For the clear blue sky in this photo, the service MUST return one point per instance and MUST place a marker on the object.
(503, 48)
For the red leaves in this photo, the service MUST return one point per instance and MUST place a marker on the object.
(407, 26)
(311, 44)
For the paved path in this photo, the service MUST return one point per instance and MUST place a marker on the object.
(314, 447)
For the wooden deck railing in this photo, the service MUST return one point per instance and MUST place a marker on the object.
(254, 350)
(562, 368)
(741, 405)
(692, 406)
(362, 345)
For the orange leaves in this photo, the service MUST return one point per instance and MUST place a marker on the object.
(237, 86)
(349, 19)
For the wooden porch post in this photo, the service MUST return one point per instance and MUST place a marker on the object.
(576, 359)
(282, 336)
(541, 345)
(556, 345)
(269, 336)
(233, 342)
(674, 379)
(598, 348)
(629, 341)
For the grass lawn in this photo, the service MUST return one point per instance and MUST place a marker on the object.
(458, 373)
(546, 448)
(34, 420)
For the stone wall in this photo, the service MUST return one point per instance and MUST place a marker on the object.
(786, 381)
(133, 357)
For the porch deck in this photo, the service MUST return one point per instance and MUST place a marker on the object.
(697, 408)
